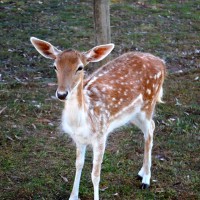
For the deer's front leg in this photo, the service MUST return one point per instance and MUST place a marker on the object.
(80, 157)
(98, 152)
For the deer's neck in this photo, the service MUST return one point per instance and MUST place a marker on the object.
(80, 95)
(74, 110)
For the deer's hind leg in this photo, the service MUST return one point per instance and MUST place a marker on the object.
(147, 126)
(98, 153)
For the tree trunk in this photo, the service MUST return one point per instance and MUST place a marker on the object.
(102, 24)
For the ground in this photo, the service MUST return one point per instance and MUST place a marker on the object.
(37, 161)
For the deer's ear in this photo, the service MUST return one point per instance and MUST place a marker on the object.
(98, 53)
(45, 48)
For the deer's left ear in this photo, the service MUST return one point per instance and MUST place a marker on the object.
(98, 53)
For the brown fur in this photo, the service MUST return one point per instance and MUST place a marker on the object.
(125, 89)
(142, 79)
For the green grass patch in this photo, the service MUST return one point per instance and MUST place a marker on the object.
(34, 156)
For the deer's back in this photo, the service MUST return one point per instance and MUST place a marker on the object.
(118, 83)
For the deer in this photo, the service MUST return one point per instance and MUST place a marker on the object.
(126, 89)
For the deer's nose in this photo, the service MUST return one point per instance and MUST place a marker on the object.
(61, 95)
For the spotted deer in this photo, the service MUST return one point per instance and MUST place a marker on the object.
(124, 90)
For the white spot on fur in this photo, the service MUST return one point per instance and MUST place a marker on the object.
(148, 91)
(157, 87)
(103, 89)
(107, 113)
(158, 74)
(112, 81)
(114, 99)
(95, 90)
(98, 103)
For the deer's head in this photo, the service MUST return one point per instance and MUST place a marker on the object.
(69, 64)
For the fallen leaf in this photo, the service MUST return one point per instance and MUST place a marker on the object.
(43, 120)
(177, 102)
(17, 137)
(103, 189)
(171, 119)
(159, 190)
(2, 109)
(34, 126)
(64, 178)
(38, 106)
(51, 84)
(8, 137)
(165, 123)
(160, 157)
(50, 124)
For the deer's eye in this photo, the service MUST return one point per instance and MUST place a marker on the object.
(55, 67)
(80, 68)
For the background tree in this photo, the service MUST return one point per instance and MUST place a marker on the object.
(102, 24)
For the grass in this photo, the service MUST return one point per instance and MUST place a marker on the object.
(35, 158)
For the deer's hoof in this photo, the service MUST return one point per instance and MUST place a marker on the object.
(144, 186)
(138, 177)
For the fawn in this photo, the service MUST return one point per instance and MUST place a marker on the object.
(124, 90)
